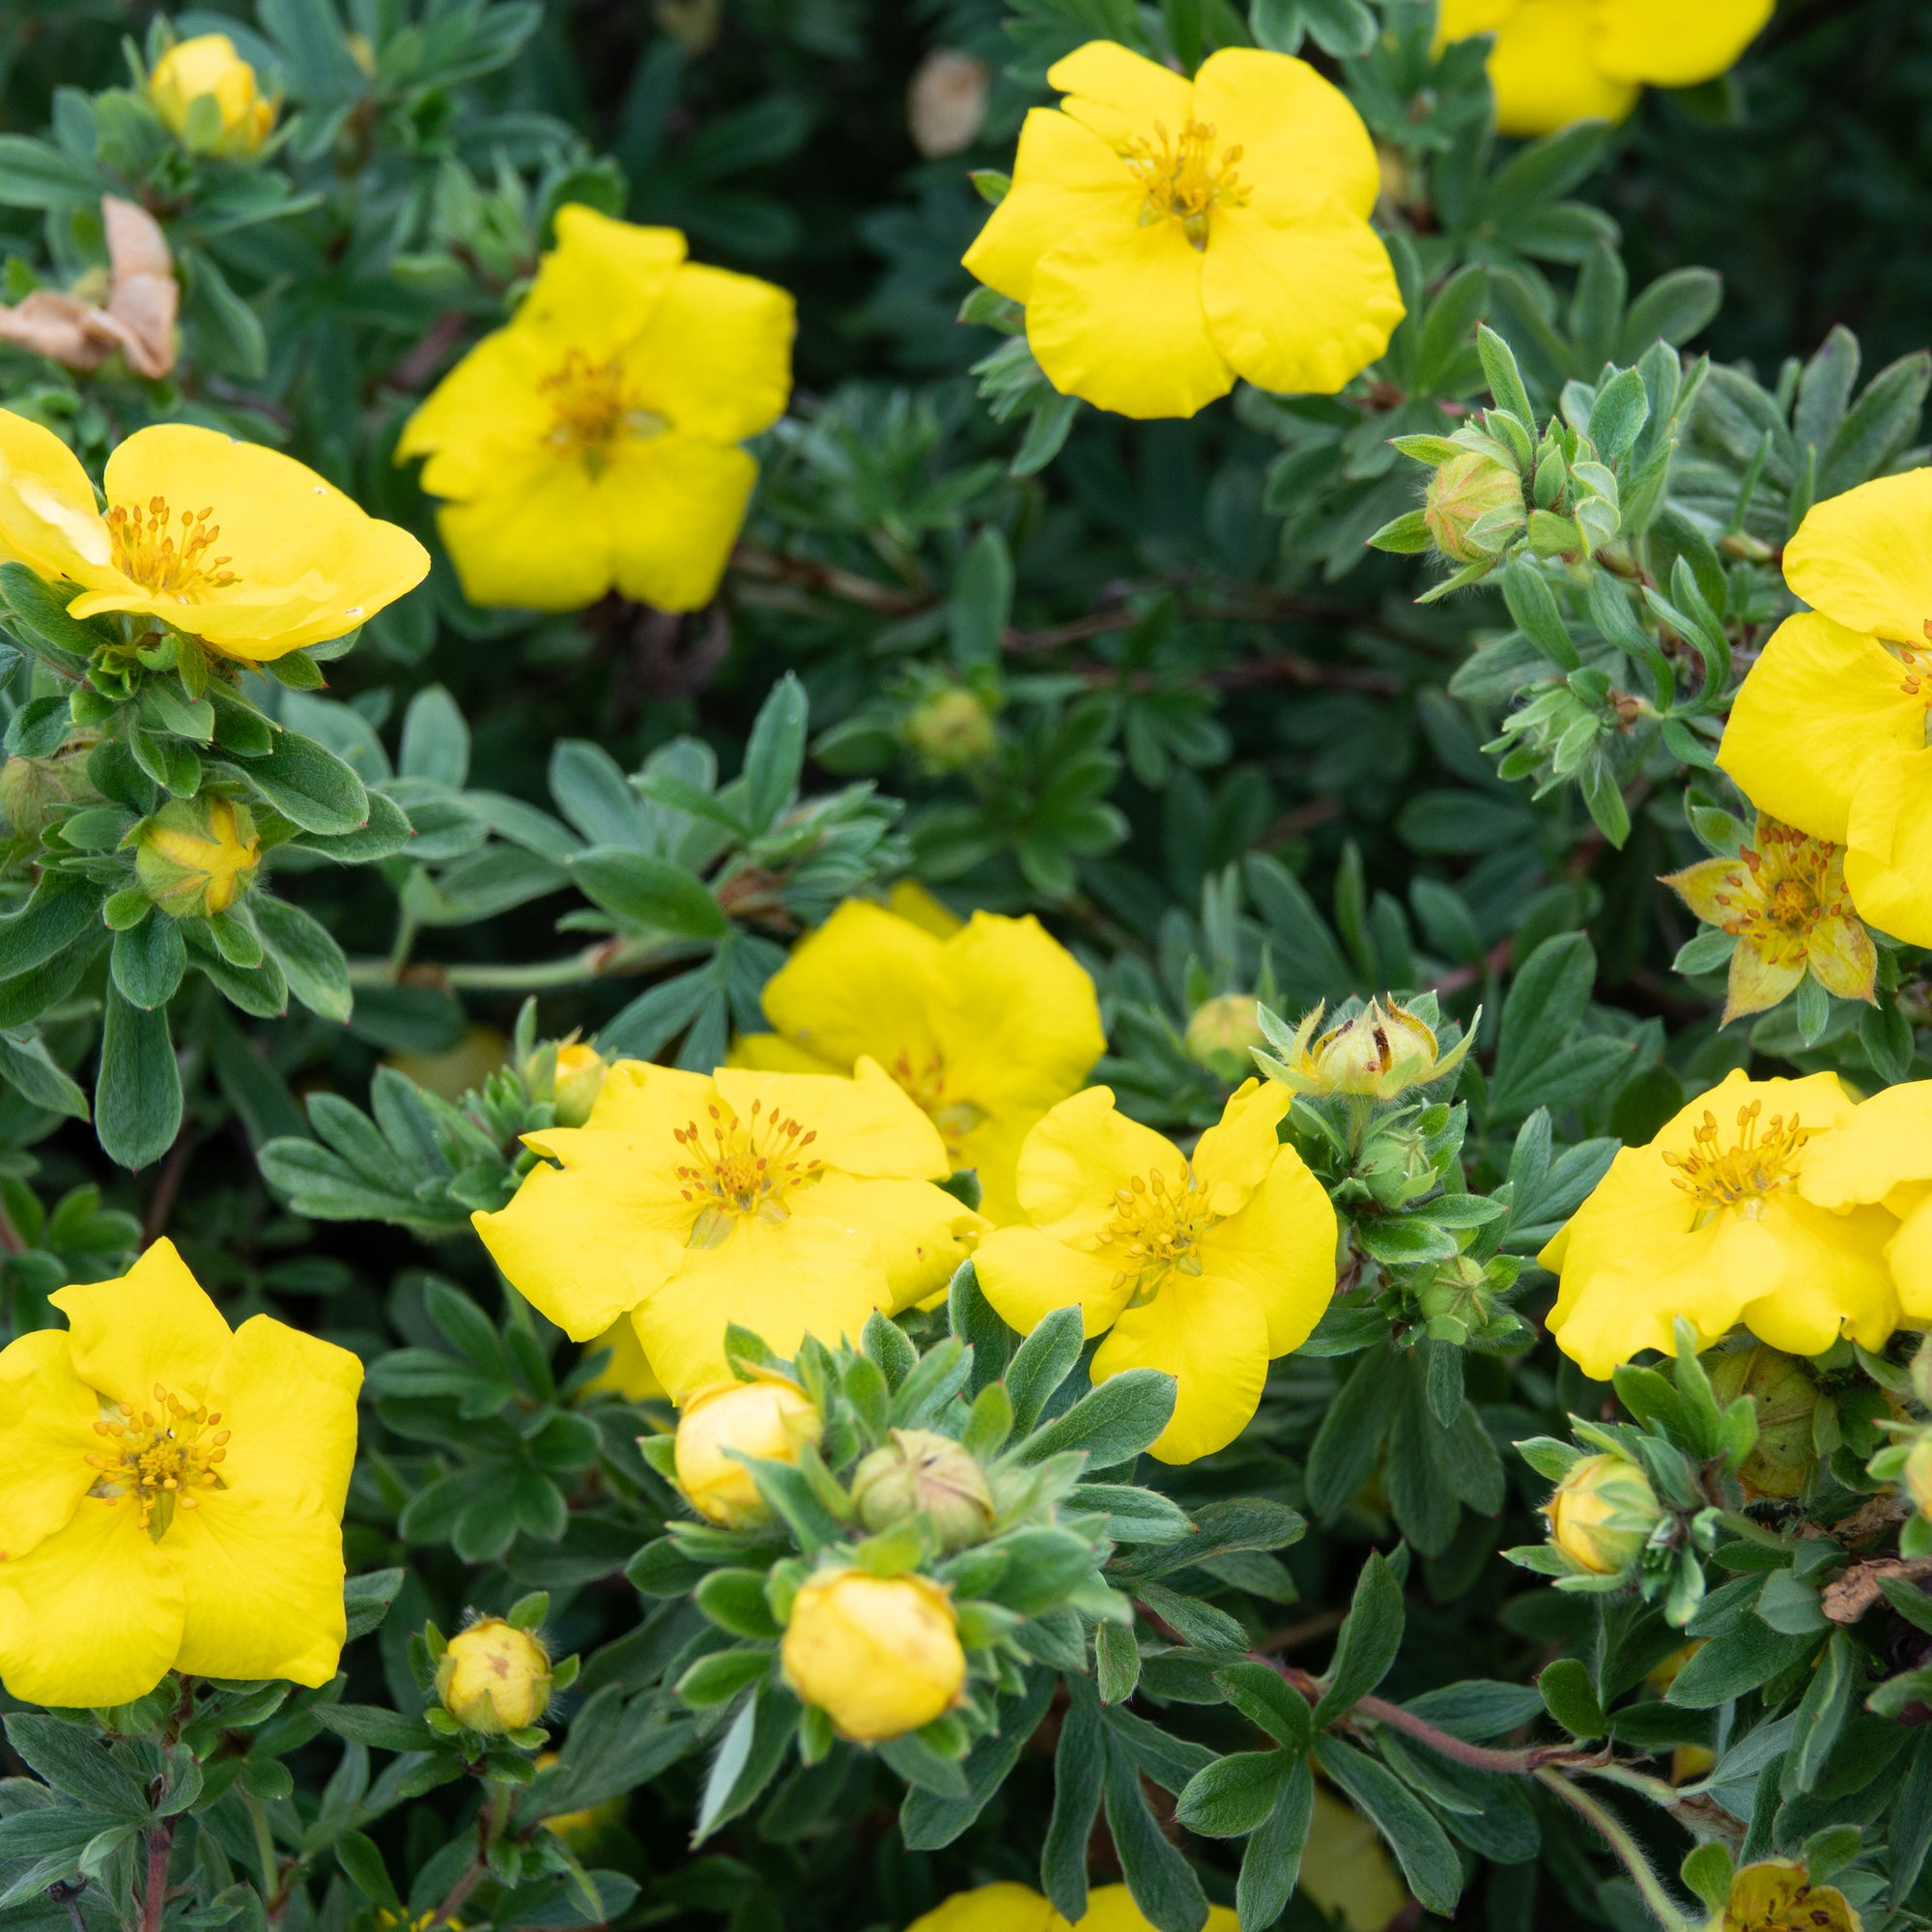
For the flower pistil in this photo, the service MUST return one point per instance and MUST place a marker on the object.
(1183, 180)
(1743, 1175)
(157, 1458)
(745, 1168)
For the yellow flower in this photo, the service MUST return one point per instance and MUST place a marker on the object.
(174, 1493)
(628, 1373)
(1560, 61)
(985, 1030)
(1827, 732)
(196, 855)
(594, 441)
(580, 1075)
(793, 1205)
(1111, 1907)
(1778, 1895)
(992, 1908)
(880, 1656)
(1379, 1053)
(208, 67)
(1169, 235)
(1346, 1869)
(768, 1418)
(494, 1677)
(1203, 1270)
(1601, 1513)
(1709, 1221)
(1784, 898)
(243, 547)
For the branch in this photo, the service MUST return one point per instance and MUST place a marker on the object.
(1630, 1854)
(154, 1899)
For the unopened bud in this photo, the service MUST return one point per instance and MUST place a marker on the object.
(1786, 1400)
(771, 1418)
(1603, 1513)
(1474, 507)
(206, 67)
(880, 1656)
(1223, 1032)
(494, 1678)
(32, 789)
(577, 1082)
(925, 1475)
(951, 728)
(196, 855)
(1916, 1478)
(1379, 1053)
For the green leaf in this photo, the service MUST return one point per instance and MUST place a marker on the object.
(1570, 1695)
(1271, 1863)
(1161, 1881)
(148, 962)
(1233, 1794)
(1266, 1700)
(1111, 1425)
(776, 753)
(137, 1093)
(649, 891)
(311, 961)
(309, 785)
(982, 605)
(1042, 1363)
(59, 912)
(1428, 1859)
(362, 1865)
(1371, 1636)
(27, 1066)
(1079, 1771)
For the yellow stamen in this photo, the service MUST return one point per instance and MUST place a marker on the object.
(1743, 1175)
(1183, 180)
(742, 1168)
(1154, 1232)
(158, 1462)
(592, 410)
(147, 549)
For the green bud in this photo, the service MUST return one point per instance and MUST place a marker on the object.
(950, 729)
(922, 1474)
(1223, 1034)
(1786, 1399)
(1474, 507)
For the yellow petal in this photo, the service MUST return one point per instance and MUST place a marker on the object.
(1026, 1275)
(774, 1053)
(288, 1400)
(1210, 1334)
(992, 1908)
(1303, 146)
(1883, 1142)
(154, 1325)
(865, 1125)
(918, 1230)
(1281, 1247)
(1080, 1155)
(681, 506)
(865, 982)
(601, 284)
(1611, 1315)
(1843, 960)
(1890, 844)
(649, 1102)
(1458, 20)
(1814, 709)
(925, 909)
(1756, 982)
(1111, 1907)
(489, 413)
(1119, 94)
(1669, 45)
(1909, 1255)
(1835, 1278)
(1861, 559)
(1234, 1156)
(46, 1433)
(93, 1615)
(260, 1579)
(541, 539)
(715, 358)
(1708, 887)
(629, 1371)
(1115, 316)
(1065, 179)
(47, 517)
(782, 1280)
(992, 1149)
(1544, 72)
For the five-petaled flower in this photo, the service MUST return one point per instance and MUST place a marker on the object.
(790, 1204)
(985, 1029)
(1167, 236)
(241, 547)
(174, 1493)
(594, 442)
(1205, 1268)
(1784, 897)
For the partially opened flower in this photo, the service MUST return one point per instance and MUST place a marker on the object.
(1784, 897)
(131, 309)
(241, 547)
(1556, 62)
(239, 116)
(1205, 1269)
(594, 443)
(792, 1204)
(1712, 1221)
(1167, 236)
(985, 1030)
(1827, 732)
(174, 1493)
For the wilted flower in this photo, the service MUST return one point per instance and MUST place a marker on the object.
(770, 1419)
(1376, 1053)
(1601, 1513)
(133, 313)
(196, 855)
(880, 1656)
(1915, 1478)
(931, 1477)
(495, 1677)
(946, 102)
(1778, 1895)
(239, 116)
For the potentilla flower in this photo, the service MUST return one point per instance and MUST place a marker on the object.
(1778, 1895)
(593, 444)
(1556, 62)
(174, 1493)
(880, 1656)
(1167, 236)
(1784, 898)
(984, 1030)
(1205, 1269)
(206, 67)
(1714, 1220)
(1374, 1054)
(241, 547)
(1110, 1908)
(792, 1204)
(196, 855)
(1827, 732)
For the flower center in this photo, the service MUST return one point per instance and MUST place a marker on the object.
(159, 1458)
(1781, 892)
(1155, 1231)
(742, 1168)
(164, 560)
(592, 411)
(1183, 180)
(1743, 1175)
(924, 1086)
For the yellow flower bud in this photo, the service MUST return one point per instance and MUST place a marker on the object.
(951, 728)
(580, 1073)
(1225, 1029)
(920, 1473)
(770, 1419)
(880, 1656)
(494, 1677)
(208, 67)
(1464, 492)
(196, 855)
(1379, 1053)
(1603, 1513)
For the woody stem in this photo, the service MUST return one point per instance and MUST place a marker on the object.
(154, 1899)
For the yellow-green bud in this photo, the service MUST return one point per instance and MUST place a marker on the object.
(1603, 1513)
(1916, 1478)
(494, 1678)
(1223, 1033)
(208, 67)
(770, 1419)
(1379, 1053)
(920, 1473)
(951, 728)
(32, 789)
(196, 855)
(1462, 493)
(880, 1656)
(1786, 1400)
